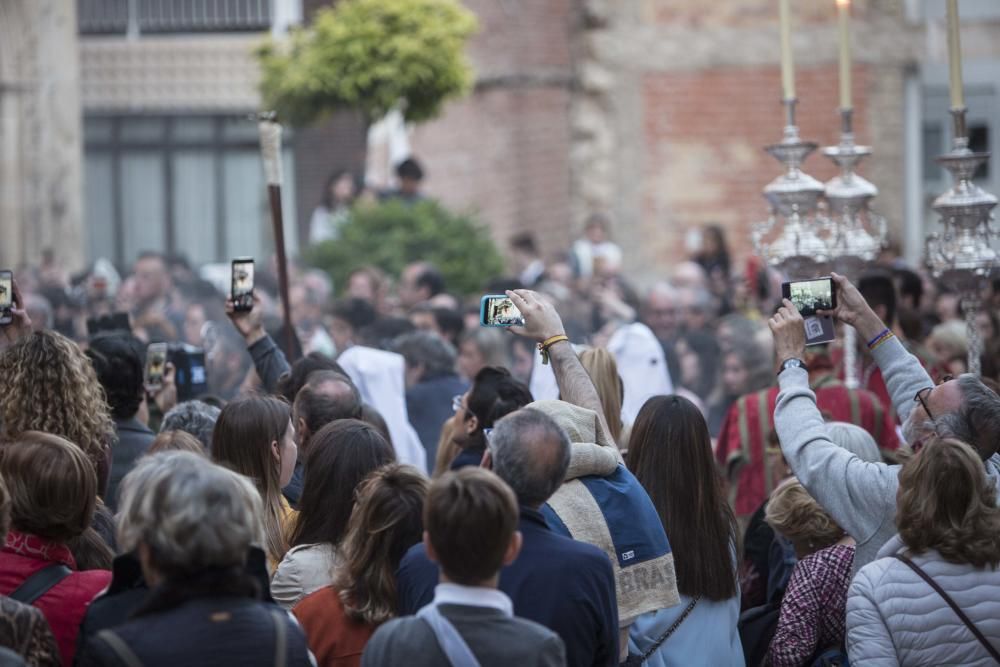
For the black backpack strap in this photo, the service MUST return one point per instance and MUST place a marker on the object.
(951, 603)
(119, 648)
(40, 583)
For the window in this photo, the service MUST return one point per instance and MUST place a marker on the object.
(190, 185)
(104, 17)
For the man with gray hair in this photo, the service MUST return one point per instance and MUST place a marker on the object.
(860, 496)
(566, 585)
(431, 383)
(194, 417)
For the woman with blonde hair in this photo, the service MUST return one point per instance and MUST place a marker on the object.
(603, 371)
(49, 385)
(811, 620)
(933, 597)
(388, 519)
(254, 436)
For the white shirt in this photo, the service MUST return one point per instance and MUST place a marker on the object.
(473, 596)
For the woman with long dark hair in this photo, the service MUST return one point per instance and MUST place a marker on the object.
(339, 619)
(254, 436)
(671, 455)
(340, 456)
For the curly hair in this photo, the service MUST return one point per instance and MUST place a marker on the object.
(795, 514)
(50, 386)
(946, 503)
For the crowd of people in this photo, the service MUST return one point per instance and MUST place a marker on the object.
(660, 479)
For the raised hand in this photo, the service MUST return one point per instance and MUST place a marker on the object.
(541, 321)
(789, 332)
(248, 322)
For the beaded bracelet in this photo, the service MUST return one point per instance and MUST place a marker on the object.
(883, 336)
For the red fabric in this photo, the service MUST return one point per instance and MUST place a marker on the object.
(870, 376)
(334, 639)
(65, 603)
(754, 483)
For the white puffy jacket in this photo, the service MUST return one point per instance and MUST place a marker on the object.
(895, 618)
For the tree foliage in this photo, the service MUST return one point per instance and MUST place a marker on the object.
(392, 234)
(372, 56)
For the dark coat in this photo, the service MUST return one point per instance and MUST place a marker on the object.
(565, 585)
(428, 406)
(133, 440)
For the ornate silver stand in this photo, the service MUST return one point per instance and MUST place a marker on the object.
(962, 255)
(851, 245)
(798, 247)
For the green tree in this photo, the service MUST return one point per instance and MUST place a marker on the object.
(371, 56)
(393, 234)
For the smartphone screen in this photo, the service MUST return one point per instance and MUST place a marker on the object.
(808, 296)
(812, 295)
(156, 365)
(497, 310)
(242, 290)
(6, 296)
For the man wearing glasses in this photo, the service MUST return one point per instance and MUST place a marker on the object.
(860, 496)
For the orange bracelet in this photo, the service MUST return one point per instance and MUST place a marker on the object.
(544, 346)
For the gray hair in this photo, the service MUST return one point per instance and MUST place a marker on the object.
(531, 453)
(854, 439)
(492, 344)
(420, 347)
(192, 514)
(194, 417)
(977, 420)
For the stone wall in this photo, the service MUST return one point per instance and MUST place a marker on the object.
(40, 144)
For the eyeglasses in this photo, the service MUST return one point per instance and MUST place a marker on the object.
(919, 398)
(456, 402)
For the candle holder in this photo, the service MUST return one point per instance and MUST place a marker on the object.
(962, 254)
(852, 245)
(792, 236)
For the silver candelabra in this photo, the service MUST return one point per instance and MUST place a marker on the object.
(795, 227)
(962, 254)
(857, 233)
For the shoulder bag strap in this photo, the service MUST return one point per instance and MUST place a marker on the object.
(280, 637)
(40, 583)
(451, 642)
(673, 628)
(120, 648)
(951, 603)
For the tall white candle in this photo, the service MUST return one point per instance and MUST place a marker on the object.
(954, 57)
(787, 66)
(844, 21)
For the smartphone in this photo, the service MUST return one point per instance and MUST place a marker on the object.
(810, 296)
(242, 286)
(497, 310)
(6, 297)
(156, 365)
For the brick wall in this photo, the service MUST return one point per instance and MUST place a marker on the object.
(504, 150)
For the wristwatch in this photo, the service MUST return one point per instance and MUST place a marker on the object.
(792, 363)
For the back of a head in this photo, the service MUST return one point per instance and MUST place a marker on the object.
(946, 503)
(603, 371)
(358, 313)
(410, 169)
(242, 439)
(433, 352)
(470, 517)
(176, 441)
(51, 386)
(52, 485)
(340, 456)
(291, 383)
(531, 453)
(491, 344)
(326, 397)
(196, 418)
(795, 514)
(430, 278)
(854, 439)
(193, 515)
(878, 289)
(495, 394)
(977, 421)
(387, 520)
(670, 453)
(949, 338)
